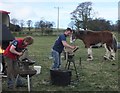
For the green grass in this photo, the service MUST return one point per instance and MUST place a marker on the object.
(97, 75)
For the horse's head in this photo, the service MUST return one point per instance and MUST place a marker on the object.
(73, 37)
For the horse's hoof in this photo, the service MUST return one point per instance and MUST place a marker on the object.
(112, 58)
(106, 58)
(89, 59)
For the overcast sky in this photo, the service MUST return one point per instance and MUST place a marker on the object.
(36, 10)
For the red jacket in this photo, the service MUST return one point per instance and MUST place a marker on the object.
(18, 48)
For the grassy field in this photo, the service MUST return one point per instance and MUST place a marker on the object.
(97, 75)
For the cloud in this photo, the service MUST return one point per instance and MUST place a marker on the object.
(36, 9)
(22, 13)
(105, 11)
(13, 1)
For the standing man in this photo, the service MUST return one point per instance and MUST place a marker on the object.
(12, 52)
(58, 47)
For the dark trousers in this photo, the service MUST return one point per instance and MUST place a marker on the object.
(12, 69)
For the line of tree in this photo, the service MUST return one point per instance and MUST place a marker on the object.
(43, 26)
(82, 18)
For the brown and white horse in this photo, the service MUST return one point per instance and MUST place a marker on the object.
(90, 38)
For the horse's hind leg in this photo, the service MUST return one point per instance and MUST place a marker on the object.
(107, 54)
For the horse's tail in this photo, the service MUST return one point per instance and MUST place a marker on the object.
(114, 43)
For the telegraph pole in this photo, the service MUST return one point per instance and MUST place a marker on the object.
(58, 8)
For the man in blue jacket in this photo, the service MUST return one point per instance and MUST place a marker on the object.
(58, 47)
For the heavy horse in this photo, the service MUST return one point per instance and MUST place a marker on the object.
(90, 38)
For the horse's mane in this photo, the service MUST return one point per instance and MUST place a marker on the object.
(83, 32)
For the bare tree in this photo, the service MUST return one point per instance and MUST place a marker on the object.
(36, 25)
(21, 24)
(29, 23)
(14, 21)
(82, 14)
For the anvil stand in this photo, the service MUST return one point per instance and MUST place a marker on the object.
(25, 70)
(70, 59)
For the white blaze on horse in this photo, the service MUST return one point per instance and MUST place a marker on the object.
(90, 38)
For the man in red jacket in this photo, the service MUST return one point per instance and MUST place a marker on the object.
(13, 51)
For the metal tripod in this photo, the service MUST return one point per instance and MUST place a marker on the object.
(70, 59)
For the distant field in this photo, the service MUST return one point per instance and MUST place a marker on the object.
(97, 75)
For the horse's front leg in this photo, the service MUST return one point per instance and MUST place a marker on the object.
(107, 54)
(90, 56)
(112, 54)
